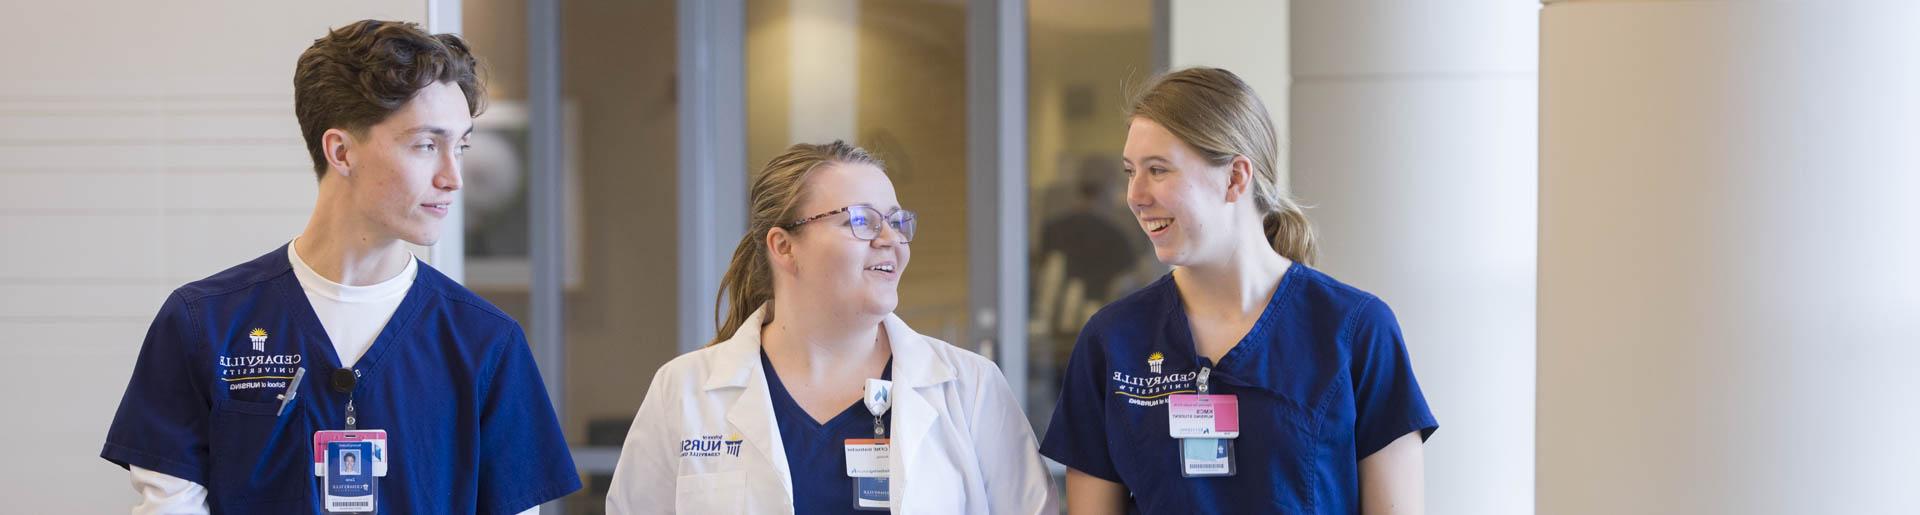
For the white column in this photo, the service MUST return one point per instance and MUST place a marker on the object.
(1730, 257)
(1413, 144)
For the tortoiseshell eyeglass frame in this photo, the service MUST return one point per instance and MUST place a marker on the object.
(888, 217)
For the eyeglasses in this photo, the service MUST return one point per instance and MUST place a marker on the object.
(866, 222)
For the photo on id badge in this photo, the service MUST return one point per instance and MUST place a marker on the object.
(350, 486)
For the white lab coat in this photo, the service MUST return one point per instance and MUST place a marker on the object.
(960, 442)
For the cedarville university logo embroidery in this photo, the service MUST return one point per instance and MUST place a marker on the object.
(708, 446)
(258, 370)
(1153, 388)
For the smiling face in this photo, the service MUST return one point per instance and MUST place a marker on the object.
(830, 264)
(1181, 201)
(400, 174)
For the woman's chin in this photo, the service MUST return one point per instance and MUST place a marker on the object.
(1169, 256)
(881, 304)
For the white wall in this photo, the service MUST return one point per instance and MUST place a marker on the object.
(1730, 257)
(142, 145)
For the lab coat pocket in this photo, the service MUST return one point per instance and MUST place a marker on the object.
(254, 456)
(716, 492)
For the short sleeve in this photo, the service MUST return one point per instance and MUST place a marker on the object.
(161, 424)
(524, 459)
(1387, 399)
(1077, 436)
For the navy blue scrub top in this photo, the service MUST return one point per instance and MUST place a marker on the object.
(816, 453)
(1323, 380)
(450, 378)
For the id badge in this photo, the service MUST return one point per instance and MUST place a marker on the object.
(1203, 416)
(870, 494)
(349, 484)
(867, 457)
(868, 465)
(377, 437)
(1206, 457)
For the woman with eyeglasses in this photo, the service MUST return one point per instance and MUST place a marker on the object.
(814, 397)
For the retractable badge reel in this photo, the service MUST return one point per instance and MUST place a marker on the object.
(350, 462)
(868, 458)
(1204, 425)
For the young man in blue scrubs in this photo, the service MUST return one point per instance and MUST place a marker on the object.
(341, 344)
(1244, 381)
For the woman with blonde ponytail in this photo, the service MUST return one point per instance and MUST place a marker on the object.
(1244, 381)
(815, 398)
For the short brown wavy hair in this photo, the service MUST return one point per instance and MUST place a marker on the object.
(358, 75)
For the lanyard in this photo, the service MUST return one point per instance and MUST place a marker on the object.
(879, 397)
(344, 381)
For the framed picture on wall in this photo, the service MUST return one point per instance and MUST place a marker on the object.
(495, 191)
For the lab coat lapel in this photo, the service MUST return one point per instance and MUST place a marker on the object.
(918, 403)
(738, 365)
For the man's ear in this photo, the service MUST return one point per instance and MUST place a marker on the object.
(1239, 178)
(337, 146)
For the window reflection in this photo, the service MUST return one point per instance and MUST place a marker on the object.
(1084, 58)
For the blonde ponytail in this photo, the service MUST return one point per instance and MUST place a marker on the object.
(1290, 233)
(747, 284)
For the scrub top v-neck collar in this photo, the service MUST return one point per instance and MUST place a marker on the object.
(782, 398)
(318, 343)
(1232, 366)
